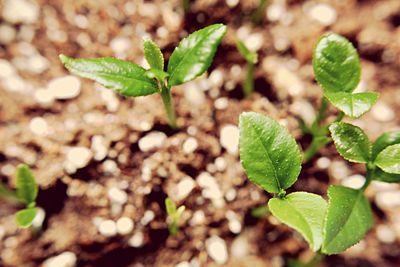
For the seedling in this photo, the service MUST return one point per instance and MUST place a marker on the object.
(337, 70)
(251, 59)
(190, 59)
(272, 160)
(174, 215)
(258, 14)
(25, 194)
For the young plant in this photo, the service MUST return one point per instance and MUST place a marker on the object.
(174, 214)
(337, 70)
(190, 59)
(25, 194)
(272, 160)
(251, 59)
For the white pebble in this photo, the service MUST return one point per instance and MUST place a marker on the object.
(39, 218)
(385, 234)
(303, 109)
(108, 228)
(190, 145)
(183, 188)
(220, 164)
(382, 112)
(43, 96)
(217, 250)
(275, 12)
(38, 126)
(232, 3)
(339, 170)
(37, 64)
(79, 157)
(323, 13)
(148, 216)
(124, 225)
(7, 34)
(111, 100)
(110, 167)
(229, 138)
(20, 11)
(193, 95)
(120, 45)
(323, 163)
(240, 247)
(198, 218)
(216, 78)
(99, 147)
(6, 69)
(254, 41)
(66, 87)
(221, 103)
(183, 264)
(211, 189)
(152, 140)
(65, 259)
(117, 196)
(15, 83)
(355, 181)
(388, 199)
(136, 240)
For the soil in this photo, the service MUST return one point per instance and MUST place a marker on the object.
(76, 201)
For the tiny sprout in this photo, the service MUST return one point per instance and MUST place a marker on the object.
(190, 59)
(174, 214)
(25, 194)
(337, 70)
(272, 160)
(251, 59)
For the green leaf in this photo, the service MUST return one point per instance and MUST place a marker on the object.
(194, 54)
(389, 159)
(351, 142)
(336, 64)
(25, 217)
(383, 141)
(348, 219)
(269, 154)
(124, 77)
(380, 175)
(248, 55)
(8, 194)
(153, 54)
(170, 206)
(27, 188)
(353, 105)
(304, 212)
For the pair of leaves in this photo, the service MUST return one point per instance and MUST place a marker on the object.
(337, 69)
(189, 60)
(353, 144)
(174, 215)
(272, 160)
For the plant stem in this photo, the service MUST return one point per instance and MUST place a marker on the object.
(368, 177)
(168, 106)
(322, 111)
(317, 143)
(248, 86)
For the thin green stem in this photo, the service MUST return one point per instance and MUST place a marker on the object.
(168, 106)
(317, 143)
(322, 112)
(340, 116)
(248, 86)
(368, 177)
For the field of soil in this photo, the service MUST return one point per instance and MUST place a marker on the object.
(105, 163)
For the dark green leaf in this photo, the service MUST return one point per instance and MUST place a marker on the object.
(27, 188)
(380, 175)
(304, 212)
(383, 141)
(194, 54)
(336, 64)
(153, 55)
(249, 56)
(353, 105)
(269, 154)
(24, 218)
(348, 219)
(389, 159)
(351, 142)
(124, 77)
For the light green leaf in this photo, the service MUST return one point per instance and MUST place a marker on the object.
(124, 77)
(248, 55)
(304, 212)
(389, 159)
(348, 219)
(351, 142)
(194, 54)
(336, 64)
(27, 189)
(153, 55)
(383, 141)
(8, 194)
(268, 153)
(353, 105)
(170, 206)
(25, 217)
(380, 175)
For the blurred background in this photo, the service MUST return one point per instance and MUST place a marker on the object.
(105, 163)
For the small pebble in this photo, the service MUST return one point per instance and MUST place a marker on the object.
(198, 218)
(43, 96)
(108, 228)
(275, 12)
(120, 45)
(232, 3)
(388, 199)
(79, 157)
(193, 95)
(39, 126)
(220, 164)
(211, 189)
(65, 259)
(39, 218)
(385, 234)
(339, 170)
(229, 138)
(7, 34)
(20, 11)
(117, 196)
(221, 103)
(124, 225)
(183, 188)
(6, 69)
(323, 163)
(99, 147)
(65, 87)
(240, 247)
(382, 112)
(355, 181)
(147, 217)
(136, 240)
(216, 78)
(183, 264)
(152, 140)
(217, 250)
(190, 145)
(323, 13)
